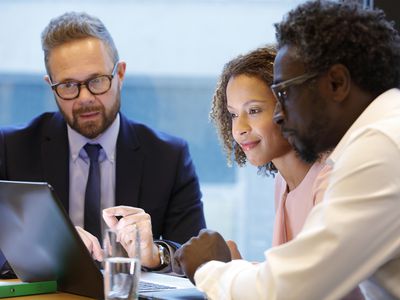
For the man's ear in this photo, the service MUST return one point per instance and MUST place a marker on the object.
(339, 82)
(121, 72)
(47, 79)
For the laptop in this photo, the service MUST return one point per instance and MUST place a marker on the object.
(41, 244)
(165, 287)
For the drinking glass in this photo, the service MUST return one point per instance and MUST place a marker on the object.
(122, 264)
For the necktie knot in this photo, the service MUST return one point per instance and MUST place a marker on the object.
(93, 151)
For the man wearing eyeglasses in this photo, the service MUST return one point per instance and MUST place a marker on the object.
(336, 81)
(89, 150)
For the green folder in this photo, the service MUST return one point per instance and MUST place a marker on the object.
(13, 289)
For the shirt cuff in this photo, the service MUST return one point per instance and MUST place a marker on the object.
(170, 248)
(216, 278)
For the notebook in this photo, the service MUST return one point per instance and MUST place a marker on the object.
(14, 289)
(41, 244)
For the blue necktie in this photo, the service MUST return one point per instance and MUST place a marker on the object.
(92, 195)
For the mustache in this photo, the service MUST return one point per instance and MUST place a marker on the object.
(88, 109)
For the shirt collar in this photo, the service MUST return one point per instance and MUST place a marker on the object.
(375, 111)
(107, 140)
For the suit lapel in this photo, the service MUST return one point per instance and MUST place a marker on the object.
(129, 165)
(55, 157)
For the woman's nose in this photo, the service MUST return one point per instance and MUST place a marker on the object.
(242, 126)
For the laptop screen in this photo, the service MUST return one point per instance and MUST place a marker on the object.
(40, 242)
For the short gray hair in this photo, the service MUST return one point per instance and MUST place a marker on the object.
(73, 26)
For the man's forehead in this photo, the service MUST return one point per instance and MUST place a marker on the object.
(79, 59)
(287, 64)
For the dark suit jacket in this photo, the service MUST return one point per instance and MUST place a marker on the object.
(154, 171)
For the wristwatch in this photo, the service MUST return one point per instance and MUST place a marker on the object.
(165, 258)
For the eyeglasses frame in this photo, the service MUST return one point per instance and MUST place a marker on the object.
(85, 83)
(284, 85)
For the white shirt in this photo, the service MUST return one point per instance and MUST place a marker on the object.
(353, 234)
(79, 169)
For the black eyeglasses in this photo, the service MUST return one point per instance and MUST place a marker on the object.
(98, 85)
(280, 90)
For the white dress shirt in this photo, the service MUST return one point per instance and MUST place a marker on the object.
(352, 235)
(79, 169)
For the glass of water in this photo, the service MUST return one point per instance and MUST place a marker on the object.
(122, 264)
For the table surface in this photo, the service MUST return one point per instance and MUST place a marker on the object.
(52, 296)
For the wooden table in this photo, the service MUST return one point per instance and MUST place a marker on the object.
(52, 296)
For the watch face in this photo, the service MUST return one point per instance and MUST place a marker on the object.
(167, 258)
(164, 255)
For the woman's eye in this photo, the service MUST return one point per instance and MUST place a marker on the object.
(254, 111)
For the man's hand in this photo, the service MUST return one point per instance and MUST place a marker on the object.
(208, 245)
(91, 243)
(235, 254)
(130, 216)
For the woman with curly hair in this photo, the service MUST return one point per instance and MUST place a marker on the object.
(242, 111)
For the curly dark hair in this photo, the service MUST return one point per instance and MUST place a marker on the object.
(325, 33)
(258, 63)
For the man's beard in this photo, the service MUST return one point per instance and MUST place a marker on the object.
(312, 146)
(305, 148)
(92, 129)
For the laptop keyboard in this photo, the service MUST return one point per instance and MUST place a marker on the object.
(145, 286)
